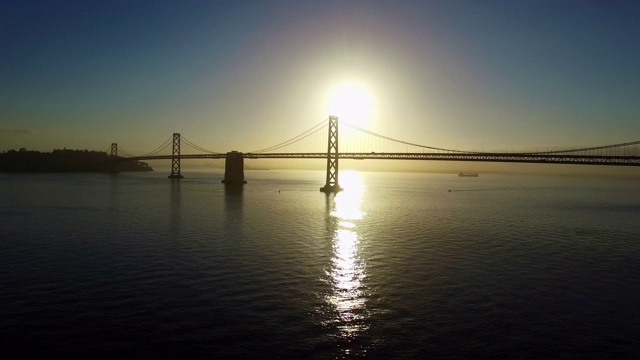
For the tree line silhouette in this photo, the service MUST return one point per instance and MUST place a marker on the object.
(65, 160)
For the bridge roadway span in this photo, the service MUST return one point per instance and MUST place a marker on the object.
(536, 158)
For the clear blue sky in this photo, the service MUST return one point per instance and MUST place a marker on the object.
(249, 74)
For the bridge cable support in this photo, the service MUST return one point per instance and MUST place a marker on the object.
(175, 158)
(332, 185)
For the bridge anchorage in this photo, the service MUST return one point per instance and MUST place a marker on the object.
(175, 158)
(331, 185)
(234, 169)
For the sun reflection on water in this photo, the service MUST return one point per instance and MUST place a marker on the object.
(348, 295)
(347, 202)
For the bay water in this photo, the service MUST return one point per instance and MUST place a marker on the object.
(397, 266)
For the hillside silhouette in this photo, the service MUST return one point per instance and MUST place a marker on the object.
(65, 160)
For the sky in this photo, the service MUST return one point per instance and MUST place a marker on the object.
(245, 75)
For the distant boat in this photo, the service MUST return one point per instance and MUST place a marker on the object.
(463, 174)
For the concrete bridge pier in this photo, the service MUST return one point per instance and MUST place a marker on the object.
(234, 169)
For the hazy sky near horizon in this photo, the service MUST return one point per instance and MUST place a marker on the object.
(244, 75)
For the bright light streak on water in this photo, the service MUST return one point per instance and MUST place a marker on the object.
(347, 202)
(348, 296)
(347, 276)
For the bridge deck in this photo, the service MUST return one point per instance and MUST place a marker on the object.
(482, 157)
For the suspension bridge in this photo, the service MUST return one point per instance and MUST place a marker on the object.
(323, 142)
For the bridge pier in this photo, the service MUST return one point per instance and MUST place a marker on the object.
(175, 158)
(234, 169)
(331, 185)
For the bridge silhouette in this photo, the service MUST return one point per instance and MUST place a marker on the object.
(362, 144)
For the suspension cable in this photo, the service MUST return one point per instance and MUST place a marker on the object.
(197, 147)
(160, 148)
(587, 149)
(400, 141)
(123, 152)
(305, 134)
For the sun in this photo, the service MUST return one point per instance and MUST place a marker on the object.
(351, 103)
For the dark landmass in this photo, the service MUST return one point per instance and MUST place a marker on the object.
(26, 161)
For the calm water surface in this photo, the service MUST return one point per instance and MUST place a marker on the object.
(397, 266)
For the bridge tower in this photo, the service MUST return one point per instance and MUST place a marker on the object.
(332, 185)
(114, 149)
(175, 158)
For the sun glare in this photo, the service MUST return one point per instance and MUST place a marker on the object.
(348, 201)
(351, 103)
